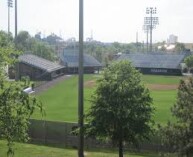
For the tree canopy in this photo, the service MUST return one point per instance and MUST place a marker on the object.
(16, 106)
(6, 40)
(25, 43)
(121, 107)
(179, 136)
(189, 61)
(180, 47)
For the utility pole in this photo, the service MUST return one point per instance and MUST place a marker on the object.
(151, 22)
(80, 89)
(10, 5)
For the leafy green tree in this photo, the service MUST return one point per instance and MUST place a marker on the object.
(16, 106)
(121, 107)
(189, 62)
(22, 41)
(180, 47)
(179, 136)
(43, 50)
(5, 39)
(26, 43)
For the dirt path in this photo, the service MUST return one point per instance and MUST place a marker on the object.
(47, 84)
(162, 86)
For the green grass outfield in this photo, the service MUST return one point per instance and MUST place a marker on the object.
(61, 101)
(30, 150)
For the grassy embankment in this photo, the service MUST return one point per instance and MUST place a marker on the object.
(30, 150)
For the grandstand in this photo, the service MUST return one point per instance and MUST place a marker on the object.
(164, 64)
(38, 68)
(70, 59)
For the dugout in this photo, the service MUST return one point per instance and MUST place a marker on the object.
(157, 64)
(70, 58)
(38, 68)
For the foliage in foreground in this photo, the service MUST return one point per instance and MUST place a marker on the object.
(121, 107)
(16, 106)
(179, 136)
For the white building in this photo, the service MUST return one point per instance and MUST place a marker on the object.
(172, 39)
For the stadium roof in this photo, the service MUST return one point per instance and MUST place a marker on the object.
(71, 58)
(165, 61)
(39, 62)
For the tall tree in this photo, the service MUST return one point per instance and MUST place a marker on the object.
(121, 107)
(180, 47)
(26, 43)
(189, 62)
(179, 136)
(22, 41)
(5, 39)
(16, 106)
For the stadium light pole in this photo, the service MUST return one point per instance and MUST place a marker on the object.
(146, 30)
(10, 5)
(151, 22)
(15, 18)
(17, 64)
(80, 89)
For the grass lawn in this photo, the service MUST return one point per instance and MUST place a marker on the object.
(159, 79)
(61, 101)
(163, 100)
(30, 150)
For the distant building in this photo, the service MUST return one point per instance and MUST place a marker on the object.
(161, 64)
(172, 39)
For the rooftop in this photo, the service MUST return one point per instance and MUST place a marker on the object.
(168, 61)
(39, 62)
(71, 59)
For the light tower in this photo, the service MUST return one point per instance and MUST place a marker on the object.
(151, 22)
(10, 5)
(146, 30)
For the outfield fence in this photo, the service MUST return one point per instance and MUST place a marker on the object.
(61, 133)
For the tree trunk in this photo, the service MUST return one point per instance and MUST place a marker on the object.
(120, 148)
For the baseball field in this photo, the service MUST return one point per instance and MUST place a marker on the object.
(61, 100)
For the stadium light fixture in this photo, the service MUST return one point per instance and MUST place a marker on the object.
(150, 23)
(10, 5)
(80, 89)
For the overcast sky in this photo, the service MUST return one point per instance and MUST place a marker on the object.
(107, 20)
